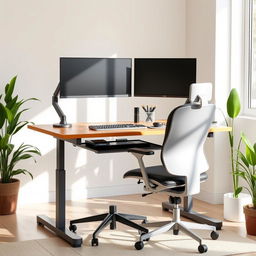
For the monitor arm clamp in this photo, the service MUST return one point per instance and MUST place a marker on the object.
(63, 122)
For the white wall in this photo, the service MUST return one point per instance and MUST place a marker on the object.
(34, 34)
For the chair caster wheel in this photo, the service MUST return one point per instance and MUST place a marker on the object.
(95, 242)
(73, 228)
(214, 235)
(40, 224)
(139, 245)
(165, 209)
(175, 232)
(143, 233)
(202, 248)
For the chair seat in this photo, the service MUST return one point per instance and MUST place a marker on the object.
(160, 175)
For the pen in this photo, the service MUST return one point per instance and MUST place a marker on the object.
(144, 108)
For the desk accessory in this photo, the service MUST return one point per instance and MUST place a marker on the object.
(157, 124)
(150, 114)
(136, 114)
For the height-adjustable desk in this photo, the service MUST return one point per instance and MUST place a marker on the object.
(74, 135)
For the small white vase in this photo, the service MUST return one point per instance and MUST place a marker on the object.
(233, 207)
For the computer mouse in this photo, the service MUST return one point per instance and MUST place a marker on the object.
(157, 124)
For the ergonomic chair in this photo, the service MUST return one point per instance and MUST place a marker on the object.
(183, 165)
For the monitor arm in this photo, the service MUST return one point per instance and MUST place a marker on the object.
(63, 123)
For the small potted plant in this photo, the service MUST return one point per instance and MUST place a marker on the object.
(11, 155)
(234, 201)
(247, 171)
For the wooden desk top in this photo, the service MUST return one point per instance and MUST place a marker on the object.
(81, 130)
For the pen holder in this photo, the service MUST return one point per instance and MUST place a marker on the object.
(150, 116)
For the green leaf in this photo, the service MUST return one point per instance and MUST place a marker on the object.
(10, 148)
(250, 156)
(12, 102)
(6, 88)
(233, 104)
(238, 191)
(4, 141)
(2, 115)
(243, 158)
(249, 151)
(246, 141)
(9, 114)
(20, 127)
(13, 125)
(9, 90)
(21, 171)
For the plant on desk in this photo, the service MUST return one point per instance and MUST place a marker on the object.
(233, 202)
(10, 156)
(247, 171)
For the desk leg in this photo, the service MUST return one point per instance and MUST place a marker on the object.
(58, 226)
(187, 212)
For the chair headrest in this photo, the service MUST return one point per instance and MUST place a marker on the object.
(200, 93)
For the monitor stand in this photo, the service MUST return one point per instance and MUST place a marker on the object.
(63, 123)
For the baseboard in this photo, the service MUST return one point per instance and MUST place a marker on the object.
(78, 194)
(209, 197)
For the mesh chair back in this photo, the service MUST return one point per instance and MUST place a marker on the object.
(182, 153)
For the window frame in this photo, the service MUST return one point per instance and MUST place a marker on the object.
(247, 81)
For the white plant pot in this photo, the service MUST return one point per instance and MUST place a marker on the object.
(233, 207)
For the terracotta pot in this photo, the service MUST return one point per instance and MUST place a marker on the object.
(8, 196)
(250, 219)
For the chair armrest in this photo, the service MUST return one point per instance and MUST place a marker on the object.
(141, 151)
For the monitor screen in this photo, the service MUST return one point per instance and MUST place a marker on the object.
(164, 77)
(95, 77)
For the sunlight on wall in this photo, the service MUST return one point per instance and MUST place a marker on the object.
(96, 171)
(81, 159)
(112, 110)
(78, 189)
(40, 188)
(70, 109)
(111, 170)
(96, 110)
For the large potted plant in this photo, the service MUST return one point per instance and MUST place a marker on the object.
(234, 201)
(11, 155)
(247, 171)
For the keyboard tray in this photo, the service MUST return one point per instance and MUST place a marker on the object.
(118, 146)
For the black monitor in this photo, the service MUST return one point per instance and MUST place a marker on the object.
(95, 77)
(164, 77)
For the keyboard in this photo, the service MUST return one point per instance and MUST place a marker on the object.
(116, 126)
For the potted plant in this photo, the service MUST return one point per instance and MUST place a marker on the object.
(10, 156)
(234, 201)
(247, 171)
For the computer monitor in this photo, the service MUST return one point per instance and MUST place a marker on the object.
(95, 77)
(164, 77)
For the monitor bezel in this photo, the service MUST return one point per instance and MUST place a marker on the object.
(97, 96)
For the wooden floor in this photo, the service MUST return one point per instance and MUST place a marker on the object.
(22, 226)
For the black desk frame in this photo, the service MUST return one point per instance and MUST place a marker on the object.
(59, 225)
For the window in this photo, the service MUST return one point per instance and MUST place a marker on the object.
(250, 57)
